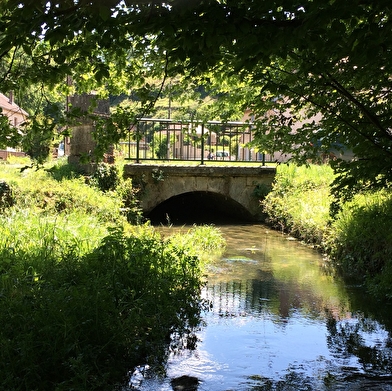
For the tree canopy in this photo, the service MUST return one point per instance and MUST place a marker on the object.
(288, 61)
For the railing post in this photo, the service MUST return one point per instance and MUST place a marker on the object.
(129, 143)
(202, 144)
(137, 143)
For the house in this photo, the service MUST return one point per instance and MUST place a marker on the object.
(294, 124)
(16, 116)
(10, 109)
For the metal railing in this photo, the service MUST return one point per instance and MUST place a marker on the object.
(170, 140)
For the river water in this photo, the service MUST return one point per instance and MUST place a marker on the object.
(279, 321)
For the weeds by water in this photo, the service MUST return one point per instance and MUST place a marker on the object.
(84, 295)
(361, 237)
(204, 241)
(300, 201)
(358, 239)
(78, 320)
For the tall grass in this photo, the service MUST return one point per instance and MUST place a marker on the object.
(27, 232)
(37, 190)
(205, 242)
(358, 239)
(361, 241)
(84, 295)
(300, 200)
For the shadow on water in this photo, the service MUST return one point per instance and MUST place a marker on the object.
(279, 321)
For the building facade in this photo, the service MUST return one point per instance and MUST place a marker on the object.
(16, 116)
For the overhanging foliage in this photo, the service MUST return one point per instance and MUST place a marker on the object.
(292, 60)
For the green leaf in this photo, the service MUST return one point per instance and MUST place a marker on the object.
(104, 13)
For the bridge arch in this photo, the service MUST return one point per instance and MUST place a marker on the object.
(199, 207)
(235, 185)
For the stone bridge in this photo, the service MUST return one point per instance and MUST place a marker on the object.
(232, 190)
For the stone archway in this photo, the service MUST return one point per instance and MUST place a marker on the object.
(160, 183)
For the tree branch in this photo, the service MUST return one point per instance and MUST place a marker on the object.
(153, 102)
(328, 109)
(351, 98)
(10, 66)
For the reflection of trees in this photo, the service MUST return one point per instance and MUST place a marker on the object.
(240, 297)
(265, 295)
(348, 338)
(292, 381)
(365, 304)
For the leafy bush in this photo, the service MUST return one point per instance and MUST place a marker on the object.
(38, 138)
(106, 176)
(160, 146)
(130, 202)
(80, 307)
(6, 195)
(361, 239)
(80, 320)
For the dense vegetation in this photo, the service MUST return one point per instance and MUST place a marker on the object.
(84, 295)
(316, 74)
(357, 239)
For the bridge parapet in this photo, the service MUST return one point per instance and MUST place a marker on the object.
(237, 183)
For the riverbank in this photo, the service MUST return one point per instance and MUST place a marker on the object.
(86, 294)
(357, 240)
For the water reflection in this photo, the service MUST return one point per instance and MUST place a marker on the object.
(279, 322)
(363, 338)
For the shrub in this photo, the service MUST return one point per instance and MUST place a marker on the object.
(80, 321)
(130, 202)
(361, 238)
(80, 307)
(106, 177)
(6, 195)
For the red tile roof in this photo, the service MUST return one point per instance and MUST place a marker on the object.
(5, 104)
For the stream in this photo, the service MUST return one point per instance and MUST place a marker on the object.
(280, 321)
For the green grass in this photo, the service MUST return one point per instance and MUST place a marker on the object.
(59, 189)
(299, 202)
(358, 240)
(84, 295)
(361, 241)
(205, 241)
